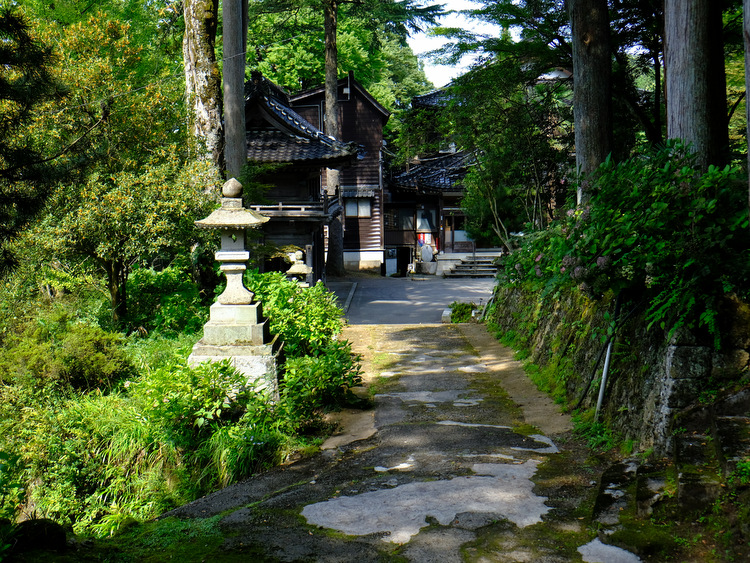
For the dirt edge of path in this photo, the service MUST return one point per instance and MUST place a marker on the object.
(537, 407)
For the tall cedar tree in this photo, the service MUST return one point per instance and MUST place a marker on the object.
(592, 98)
(25, 82)
(696, 79)
(746, 27)
(203, 79)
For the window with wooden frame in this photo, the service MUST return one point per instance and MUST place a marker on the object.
(358, 207)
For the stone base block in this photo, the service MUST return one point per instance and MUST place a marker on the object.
(247, 314)
(258, 363)
(236, 325)
(429, 268)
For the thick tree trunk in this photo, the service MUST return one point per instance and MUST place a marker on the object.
(695, 78)
(746, 23)
(117, 279)
(234, 87)
(202, 79)
(592, 98)
(335, 260)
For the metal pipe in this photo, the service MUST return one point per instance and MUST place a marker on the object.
(604, 379)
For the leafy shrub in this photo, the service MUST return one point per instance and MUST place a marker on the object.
(656, 227)
(319, 368)
(168, 438)
(11, 497)
(159, 351)
(312, 383)
(461, 312)
(167, 434)
(597, 435)
(185, 400)
(306, 319)
(237, 451)
(93, 456)
(166, 301)
(56, 351)
(91, 359)
(741, 475)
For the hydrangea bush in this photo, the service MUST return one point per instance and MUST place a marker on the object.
(655, 228)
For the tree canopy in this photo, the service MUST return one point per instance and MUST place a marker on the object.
(26, 82)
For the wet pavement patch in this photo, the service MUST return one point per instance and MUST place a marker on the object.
(502, 489)
(598, 552)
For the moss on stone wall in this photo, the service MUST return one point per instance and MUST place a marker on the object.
(651, 377)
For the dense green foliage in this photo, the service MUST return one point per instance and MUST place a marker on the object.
(102, 428)
(656, 231)
(26, 82)
(461, 312)
(520, 129)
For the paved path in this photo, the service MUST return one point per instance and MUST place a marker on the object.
(379, 300)
(461, 459)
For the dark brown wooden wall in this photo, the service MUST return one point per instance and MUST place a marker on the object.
(362, 123)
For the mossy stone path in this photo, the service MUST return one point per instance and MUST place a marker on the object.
(461, 459)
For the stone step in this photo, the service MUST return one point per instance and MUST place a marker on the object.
(474, 264)
(469, 275)
(467, 268)
(473, 267)
(699, 471)
(733, 437)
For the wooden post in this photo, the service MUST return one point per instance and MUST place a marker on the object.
(235, 151)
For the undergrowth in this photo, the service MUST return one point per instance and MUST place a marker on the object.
(654, 227)
(100, 428)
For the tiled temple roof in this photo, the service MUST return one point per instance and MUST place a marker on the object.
(436, 98)
(442, 173)
(276, 133)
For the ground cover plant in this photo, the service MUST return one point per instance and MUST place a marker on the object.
(99, 428)
(461, 312)
(654, 230)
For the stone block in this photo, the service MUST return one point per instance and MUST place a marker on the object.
(429, 268)
(733, 435)
(682, 392)
(651, 482)
(230, 334)
(694, 450)
(697, 490)
(738, 334)
(730, 363)
(688, 362)
(696, 420)
(259, 364)
(735, 404)
(251, 314)
(614, 492)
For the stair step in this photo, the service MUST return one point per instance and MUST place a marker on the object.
(474, 267)
(468, 275)
(474, 270)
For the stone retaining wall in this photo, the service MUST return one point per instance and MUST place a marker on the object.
(651, 377)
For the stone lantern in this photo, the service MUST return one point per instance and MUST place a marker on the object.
(299, 271)
(236, 329)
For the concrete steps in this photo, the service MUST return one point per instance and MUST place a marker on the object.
(473, 267)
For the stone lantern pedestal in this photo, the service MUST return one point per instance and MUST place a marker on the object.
(236, 329)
